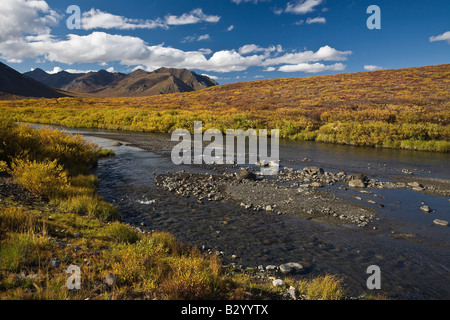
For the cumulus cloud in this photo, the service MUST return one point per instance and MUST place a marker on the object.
(210, 76)
(59, 69)
(370, 67)
(442, 37)
(312, 68)
(31, 38)
(195, 16)
(101, 47)
(325, 53)
(253, 48)
(302, 6)
(97, 19)
(19, 17)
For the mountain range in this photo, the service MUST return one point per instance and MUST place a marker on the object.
(139, 83)
(135, 84)
(15, 85)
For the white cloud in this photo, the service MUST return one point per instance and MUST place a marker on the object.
(277, 11)
(312, 68)
(325, 53)
(302, 6)
(230, 28)
(252, 48)
(205, 51)
(442, 37)
(204, 37)
(316, 20)
(18, 17)
(32, 38)
(196, 38)
(55, 70)
(372, 67)
(97, 19)
(101, 47)
(58, 69)
(195, 16)
(270, 69)
(209, 76)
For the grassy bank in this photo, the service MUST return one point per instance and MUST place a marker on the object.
(404, 109)
(52, 218)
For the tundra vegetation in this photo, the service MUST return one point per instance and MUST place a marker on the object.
(403, 109)
(54, 219)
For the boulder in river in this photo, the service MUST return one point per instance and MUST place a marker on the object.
(313, 170)
(291, 267)
(245, 174)
(441, 223)
(357, 183)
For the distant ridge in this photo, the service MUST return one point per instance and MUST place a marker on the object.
(15, 85)
(138, 83)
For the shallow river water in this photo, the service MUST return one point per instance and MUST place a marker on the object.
(412, 253)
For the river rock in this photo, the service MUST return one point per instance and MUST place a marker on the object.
(55, 263)
(441, 223)
(292, 292)
(313, 170)
(110, 280)
(425, 209)
(291, 267)
(262, 163)
(245, 174)
(278, 283)
(415, 184)
(316, 185)
(271, 267)
(357, 183)
(358, 176)
(116, 144)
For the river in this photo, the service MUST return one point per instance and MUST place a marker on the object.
(412, 253)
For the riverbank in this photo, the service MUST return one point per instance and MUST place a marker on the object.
(52, 221)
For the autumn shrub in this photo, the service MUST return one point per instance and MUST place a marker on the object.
(121, 233)
(322, 288)
(24, 249)
(153, 266)
(91, 205)
(47, 178)
(3, 166)
(14, 219)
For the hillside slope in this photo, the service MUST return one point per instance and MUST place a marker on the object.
(405, 108)
(13, 85)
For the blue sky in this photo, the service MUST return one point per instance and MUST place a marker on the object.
(230, 40)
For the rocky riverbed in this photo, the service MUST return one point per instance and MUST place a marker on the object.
(256, 193)
(328, 219)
